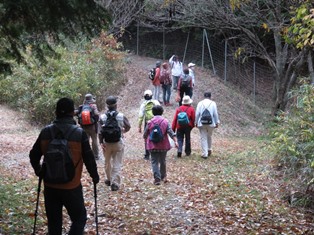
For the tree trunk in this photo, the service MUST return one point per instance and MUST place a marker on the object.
(286, 71)
(310, 66)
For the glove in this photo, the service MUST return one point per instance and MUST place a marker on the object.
(96, 180)
(39, 171)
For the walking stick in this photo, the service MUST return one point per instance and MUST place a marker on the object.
(37, 203)
(96, 213)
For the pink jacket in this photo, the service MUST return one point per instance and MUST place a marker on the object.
(164, 145)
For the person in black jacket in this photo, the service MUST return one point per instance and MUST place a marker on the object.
(70, 194)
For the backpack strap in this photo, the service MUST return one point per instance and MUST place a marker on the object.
(114, 114)
(65, 135)
(208, 105)
(184, 110)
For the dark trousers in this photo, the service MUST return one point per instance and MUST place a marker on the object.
(187, 91)
(73, 201)
(181, 134)
(147, 153)
(159, 164)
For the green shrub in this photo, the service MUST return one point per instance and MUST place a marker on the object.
(293, 137)
(87, 67)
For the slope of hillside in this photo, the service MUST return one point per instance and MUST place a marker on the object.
(238, 115)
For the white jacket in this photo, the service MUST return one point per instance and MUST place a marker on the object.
(176, 67)
(211, 106)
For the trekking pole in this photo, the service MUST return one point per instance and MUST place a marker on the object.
(96, 213)
(37, 203)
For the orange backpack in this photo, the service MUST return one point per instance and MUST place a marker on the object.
(86, 116)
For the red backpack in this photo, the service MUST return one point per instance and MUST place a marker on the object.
(86, 117)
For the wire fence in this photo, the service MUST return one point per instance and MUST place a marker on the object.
(253, 77)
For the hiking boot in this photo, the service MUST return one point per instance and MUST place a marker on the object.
(165, 180)
(157, 182)
(179, 154)
(146, 157)
(204, 157)
(209, 152)
(107, 182)
(187, 154)
(114, 187)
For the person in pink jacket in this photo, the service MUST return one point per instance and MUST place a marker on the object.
(158, 150)
(184, 130)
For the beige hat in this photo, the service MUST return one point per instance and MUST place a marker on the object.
(191, 65)
(148, 92)
(187, 100)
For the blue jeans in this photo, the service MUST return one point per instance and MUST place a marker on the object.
(166, 93)
(73, 201)
(175, 80)
(181, 133)
(159, 164)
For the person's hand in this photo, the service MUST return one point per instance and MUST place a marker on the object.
(39, 171)
(103, 146)
(176, 143)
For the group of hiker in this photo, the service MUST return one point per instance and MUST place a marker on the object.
(66, 145)
(170, 76)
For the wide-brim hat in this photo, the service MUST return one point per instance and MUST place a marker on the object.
(187, 100)
(191, 65)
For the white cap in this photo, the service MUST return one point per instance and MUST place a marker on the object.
(191, 65)
(148, 92)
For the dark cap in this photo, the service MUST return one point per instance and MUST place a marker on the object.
(207, 94)
(65, 107)
(88, 97)
(186, 71)
(111, 100)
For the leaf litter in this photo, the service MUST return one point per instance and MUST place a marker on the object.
(232, 192)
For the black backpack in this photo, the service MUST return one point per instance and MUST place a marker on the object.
(111, 130)
(151, 74)
(58, 165)
(185, 81)
(206, 118)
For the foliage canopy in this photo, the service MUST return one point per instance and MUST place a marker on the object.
(38, 23)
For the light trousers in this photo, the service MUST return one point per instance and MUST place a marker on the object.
(113, 161)
(156, 92)
(206, 133)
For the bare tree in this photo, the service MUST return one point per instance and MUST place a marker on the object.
(255, 26)
(122, 13)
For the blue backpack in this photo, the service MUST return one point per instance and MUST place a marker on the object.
(156, 134)
(183, 118)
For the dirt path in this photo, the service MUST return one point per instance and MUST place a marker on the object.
(218, 196)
